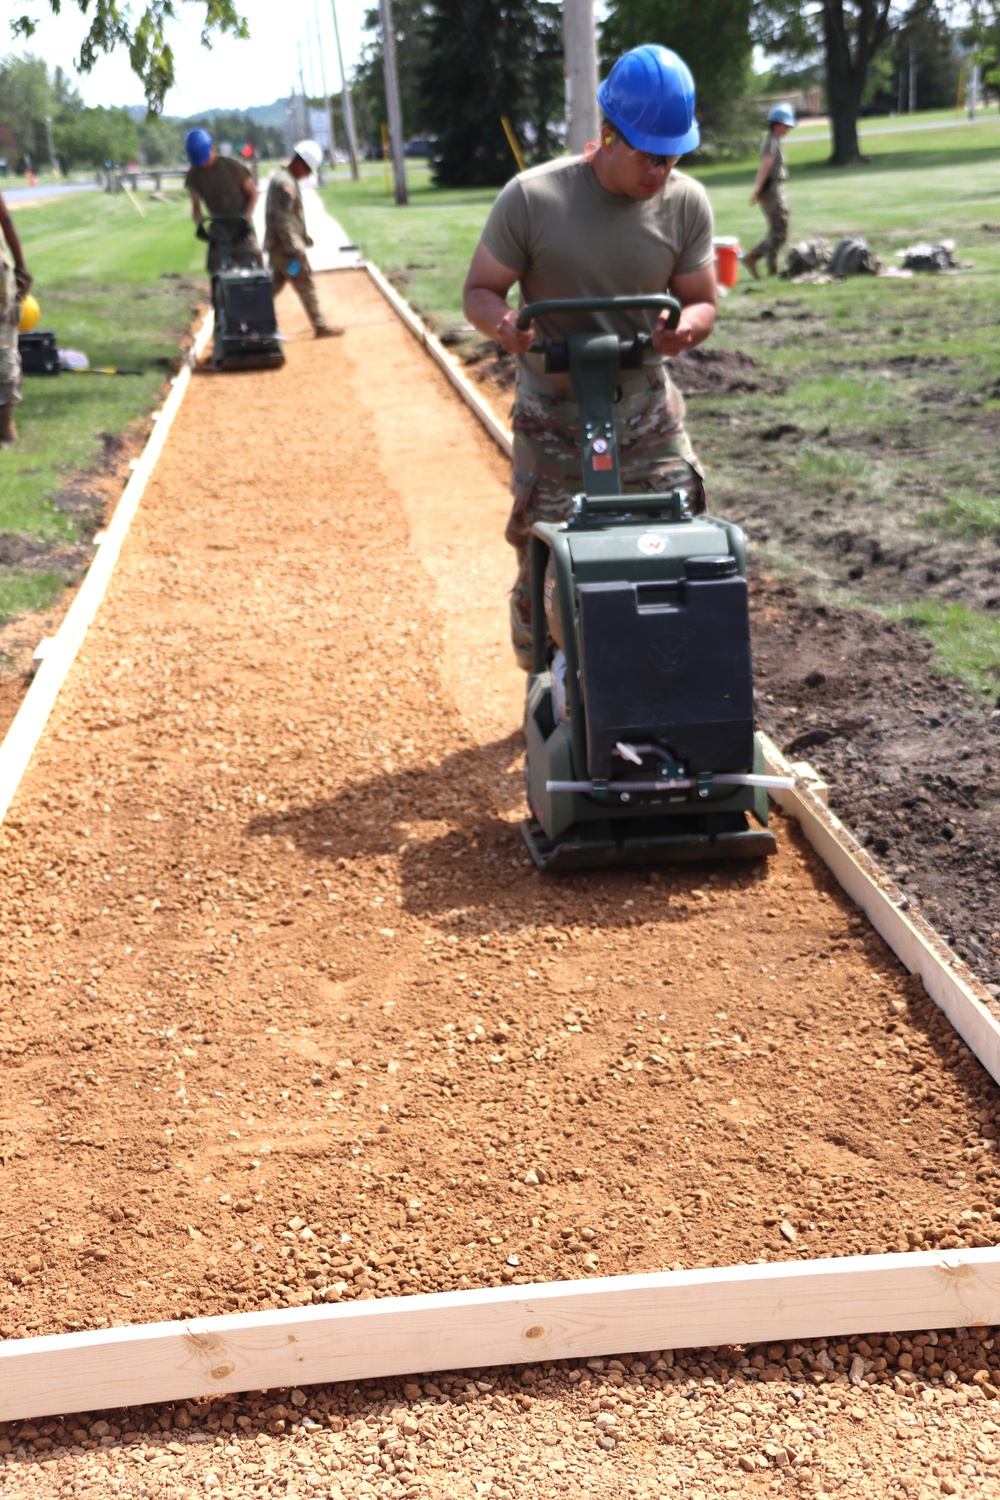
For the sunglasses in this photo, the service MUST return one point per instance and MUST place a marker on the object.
(646, 158)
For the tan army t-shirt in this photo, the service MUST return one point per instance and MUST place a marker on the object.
(220, 186)
(779, 172)
(567, 236)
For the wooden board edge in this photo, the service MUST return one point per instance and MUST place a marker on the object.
(26, 728)
(948, 981)
(500, 435)
(385, 1337)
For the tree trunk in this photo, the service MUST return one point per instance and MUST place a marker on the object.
(848, 58)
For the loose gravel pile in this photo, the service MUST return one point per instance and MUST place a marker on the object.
(287, 1016)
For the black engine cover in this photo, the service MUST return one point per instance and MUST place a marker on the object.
(670, 664)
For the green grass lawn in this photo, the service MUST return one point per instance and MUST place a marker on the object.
(122, 289)
(889, 383)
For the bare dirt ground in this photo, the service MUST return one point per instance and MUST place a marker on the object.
(287, 1016)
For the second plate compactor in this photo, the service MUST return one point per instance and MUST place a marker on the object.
(640, 717)
(246, 328)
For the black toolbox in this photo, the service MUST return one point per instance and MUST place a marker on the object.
(39, 352)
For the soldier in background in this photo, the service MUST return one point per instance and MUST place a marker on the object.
(285, 238)
(229, 192)
(14, 284)
(769, 191)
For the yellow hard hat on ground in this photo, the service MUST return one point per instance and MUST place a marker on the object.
(30, 313)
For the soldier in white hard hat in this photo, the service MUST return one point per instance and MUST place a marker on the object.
(285, 238)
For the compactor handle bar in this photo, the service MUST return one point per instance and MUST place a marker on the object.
(650, 301)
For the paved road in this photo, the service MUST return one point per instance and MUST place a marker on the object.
(45, 190)
(865, 131)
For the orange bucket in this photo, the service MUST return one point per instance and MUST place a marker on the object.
(727, 257)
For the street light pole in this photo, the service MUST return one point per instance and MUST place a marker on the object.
(392, 100)
(580, 48)
(326, 96)
(345, 94)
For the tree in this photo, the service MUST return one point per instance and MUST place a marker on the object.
(409, 22)
(488, 60)
(26, 101)
(713, 36)
(982, 34)
(151, 56)
(91, 137)
(924, 38)
(850, 34)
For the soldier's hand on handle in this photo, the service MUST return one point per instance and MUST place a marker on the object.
(201, 233)
(515, 340)
(23, 279)
(670, 340)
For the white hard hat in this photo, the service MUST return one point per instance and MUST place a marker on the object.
(310, 152)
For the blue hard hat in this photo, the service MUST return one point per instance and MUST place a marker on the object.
(198, 145)
(649, 97)
(781, 114)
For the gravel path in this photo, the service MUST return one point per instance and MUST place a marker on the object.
(287, 1016)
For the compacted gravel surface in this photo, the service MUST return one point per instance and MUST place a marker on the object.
(287, 1016)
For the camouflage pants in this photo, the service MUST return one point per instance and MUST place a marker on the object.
(775, 210)
(654, 455)
(244, 252)
(302, 282)
(10, 360)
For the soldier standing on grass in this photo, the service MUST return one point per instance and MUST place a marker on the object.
(14, 284)
(617, 220)
(285, 238)
(769, 191)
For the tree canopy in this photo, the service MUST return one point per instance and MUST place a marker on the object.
(850, 36)
(712, 36)
(112, 25)
(490, 60)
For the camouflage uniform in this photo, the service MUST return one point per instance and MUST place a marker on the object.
(773, 204)
(285, 241)
(654, 455)
(10, 313)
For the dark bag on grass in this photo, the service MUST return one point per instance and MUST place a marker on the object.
(853, 256)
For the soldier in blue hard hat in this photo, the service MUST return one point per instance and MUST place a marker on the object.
(769, 191)
(618, 220)
(226, 188)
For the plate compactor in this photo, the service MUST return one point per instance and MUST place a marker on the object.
(639, 719)
(246, 329)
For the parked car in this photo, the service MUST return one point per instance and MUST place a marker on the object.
(418, 145)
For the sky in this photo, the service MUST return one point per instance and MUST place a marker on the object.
(233, 75)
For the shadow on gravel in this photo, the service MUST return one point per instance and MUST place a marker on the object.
(454, 828)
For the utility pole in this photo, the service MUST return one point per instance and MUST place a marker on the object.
(580, 48)
(973, 90)
(305, 101)
(326, 96)
(913, 77)
(52, 149)
(392, 100)
(345, 94)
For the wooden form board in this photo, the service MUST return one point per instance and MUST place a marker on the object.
(378, 1338)
(55, 655)
(439, 354)
(389, 1336)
